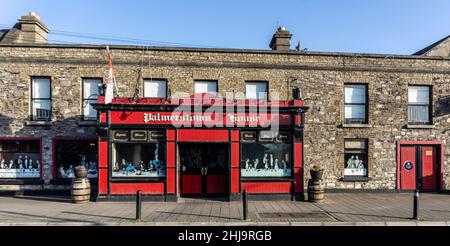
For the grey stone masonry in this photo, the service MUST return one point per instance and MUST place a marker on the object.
(321, 77)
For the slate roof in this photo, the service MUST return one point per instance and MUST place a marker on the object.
(430, 47)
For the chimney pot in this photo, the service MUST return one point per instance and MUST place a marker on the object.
(281, 40)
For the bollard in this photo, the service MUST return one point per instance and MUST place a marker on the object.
(245, 204)
(416, 205)
(138, 204)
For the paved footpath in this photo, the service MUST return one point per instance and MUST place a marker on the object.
(337, 209)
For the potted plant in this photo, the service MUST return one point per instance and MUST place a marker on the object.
(81, 172)
(316, 172)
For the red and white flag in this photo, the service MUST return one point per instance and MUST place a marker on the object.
(109, 93)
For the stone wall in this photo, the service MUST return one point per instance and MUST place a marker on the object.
(321, 77)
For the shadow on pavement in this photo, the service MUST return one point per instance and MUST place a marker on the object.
(97, 215)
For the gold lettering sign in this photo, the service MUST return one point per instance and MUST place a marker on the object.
(428, 152)
(121, 135)
(139, 135)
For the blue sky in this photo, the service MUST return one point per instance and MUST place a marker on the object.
(382, 26)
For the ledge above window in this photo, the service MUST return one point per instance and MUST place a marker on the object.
(38, 123)
(355, 179)
(420, 126)
(356, 126)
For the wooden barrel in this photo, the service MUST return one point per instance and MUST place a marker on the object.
(81, 190)
(316, 191)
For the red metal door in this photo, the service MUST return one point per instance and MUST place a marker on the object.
(407, 167)
(429, 168)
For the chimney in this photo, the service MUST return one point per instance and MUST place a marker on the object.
(281, 40)
(28, 29)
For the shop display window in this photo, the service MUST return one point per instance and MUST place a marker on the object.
(20, 159)
(268, 155)
(138, 160)
(72, 153)
(355, 157)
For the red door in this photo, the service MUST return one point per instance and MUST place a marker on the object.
(408, 167)
(204, 168)
(429, 168)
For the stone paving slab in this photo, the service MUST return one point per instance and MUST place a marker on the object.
(342, 209)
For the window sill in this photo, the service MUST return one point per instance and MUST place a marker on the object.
(87, 123)
(356, 126)
(355, 179)
(420, 126)
(38, 123)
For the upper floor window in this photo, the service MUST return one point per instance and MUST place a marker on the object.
(419, 107)
(155, 88)
(205, 87)
(355, 104)
(256, 90)
(90, 94)
(41, 98)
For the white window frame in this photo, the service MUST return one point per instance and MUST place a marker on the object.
(85, 101)
(158, 81)
(258, 96)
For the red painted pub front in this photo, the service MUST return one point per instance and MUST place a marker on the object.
(200, 146)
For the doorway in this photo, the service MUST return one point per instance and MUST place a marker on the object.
(204, 169)
(419, 167)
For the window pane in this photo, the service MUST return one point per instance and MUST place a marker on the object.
(256, 90)
(155, 88)
(139, 160)
(89, 111)
(355, 158)
(418, 114)
(72, 153)
(205, 87)
(419, 94)
(19, 159)
(91, 88)
(41, 88)
(266, 160)
(355, 93)
(41, 109)
(355, 112)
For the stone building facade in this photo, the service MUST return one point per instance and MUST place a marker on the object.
(321, 77)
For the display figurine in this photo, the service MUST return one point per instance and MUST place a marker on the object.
(70, 172)
(25, 162)
(271, 161)
(266, 160)
(358, 163)
(284, 164)
(276, 167)
(247, 161)
(2, 164)
(351, 162)
(256, 163)
(37, 164)
(30, 163)
(124, 164)
(62, 172)
(129, 168)
(83, 161)
(19, 162)
(11, 164)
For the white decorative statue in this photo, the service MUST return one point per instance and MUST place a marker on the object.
(19, 162)
(276, 164)
(271, 161)
(247, 161)
(266, 161)
(2, 164)
(37, 164)
(26, 162)
(30, 164)
(11, 164)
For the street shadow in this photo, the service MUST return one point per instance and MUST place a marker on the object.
(368, 215)
(200, 215)
(58, 199)
(45, 217)
(97, 215)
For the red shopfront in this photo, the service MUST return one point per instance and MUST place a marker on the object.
(145, 146)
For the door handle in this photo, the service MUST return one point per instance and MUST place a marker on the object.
(206, 171)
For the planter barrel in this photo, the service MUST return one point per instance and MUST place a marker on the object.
(81, 190)
(316, 190)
